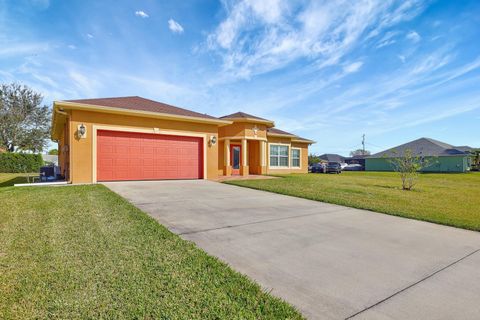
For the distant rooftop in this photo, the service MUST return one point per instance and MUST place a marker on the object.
(332, 157)
(424, 147)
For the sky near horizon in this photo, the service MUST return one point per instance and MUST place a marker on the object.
(329, 71)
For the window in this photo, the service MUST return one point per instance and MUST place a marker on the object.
(296, 158)
(278, 156)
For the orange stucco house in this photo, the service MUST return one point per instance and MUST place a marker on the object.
(132, 138)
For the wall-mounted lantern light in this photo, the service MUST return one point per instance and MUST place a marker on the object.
(82, 131)
(213, 140)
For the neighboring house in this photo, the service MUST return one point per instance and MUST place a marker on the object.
(442, 157)
(132, 138)
(50, 158)
(331, 157)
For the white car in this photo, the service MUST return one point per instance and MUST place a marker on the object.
(353, 167)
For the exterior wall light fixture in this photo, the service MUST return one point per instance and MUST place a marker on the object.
(82, 131)
(213, 140)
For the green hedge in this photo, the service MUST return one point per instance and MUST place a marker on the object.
(20, 162)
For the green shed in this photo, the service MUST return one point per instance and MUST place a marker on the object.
(442, 157)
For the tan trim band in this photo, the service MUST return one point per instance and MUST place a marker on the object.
(242, 137)
(252, 120)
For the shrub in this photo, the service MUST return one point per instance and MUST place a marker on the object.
(408, 165)
(20, 162)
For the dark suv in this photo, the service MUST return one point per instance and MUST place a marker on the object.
(333, 167)
(318, 168)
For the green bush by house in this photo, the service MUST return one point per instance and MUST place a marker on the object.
(20, 162)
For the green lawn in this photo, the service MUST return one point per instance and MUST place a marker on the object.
(450, 199)
(80, 252)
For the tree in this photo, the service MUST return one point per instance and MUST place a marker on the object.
(359, 152)
(53, 152)
(476, 160)
(408, 166)
(24, 122)
(313, 159)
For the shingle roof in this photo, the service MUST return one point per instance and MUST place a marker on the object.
(242, 115)
(332, 157)
(465, 148)
(278, 131)
(422, 147)
(141, 104)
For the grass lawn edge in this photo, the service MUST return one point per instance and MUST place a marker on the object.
(241, 183)
(264, 304)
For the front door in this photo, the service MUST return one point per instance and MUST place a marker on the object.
(236, 156)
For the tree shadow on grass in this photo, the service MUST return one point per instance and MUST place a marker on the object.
(387, 187)
(11, 182)
(399, 188)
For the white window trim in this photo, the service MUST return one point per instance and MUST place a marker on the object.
(289, 156)
(299, 158)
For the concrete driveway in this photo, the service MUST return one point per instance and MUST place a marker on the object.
(330, 261)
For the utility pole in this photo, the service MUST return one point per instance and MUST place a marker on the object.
(363, 144)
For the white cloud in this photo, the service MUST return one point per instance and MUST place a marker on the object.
(378, 93)
(258, 37)
(402, 58)
(86, 85)
(413, 36)
(72, 46)
(431, 63)
(174, 26)
(141, 14)
(387, 39)
(89, 35)
(16, 49)
(386, 43)
(353, 67)
(45, 79)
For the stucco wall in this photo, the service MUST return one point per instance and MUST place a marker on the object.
(241, 129)
(82, 149)
(439, 164)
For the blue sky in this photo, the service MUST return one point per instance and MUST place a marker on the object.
(326, 70)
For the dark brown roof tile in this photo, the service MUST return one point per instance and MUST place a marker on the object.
(141, 104)
(242, 115)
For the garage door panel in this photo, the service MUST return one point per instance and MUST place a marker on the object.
(148, 163)
(105, 163)
(120, 162)
(135, 150)
(136, 163)
(147, 150)
(141, 156)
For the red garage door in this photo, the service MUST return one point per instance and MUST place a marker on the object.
(143, 156)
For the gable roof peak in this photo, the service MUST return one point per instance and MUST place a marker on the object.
(242, 115)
